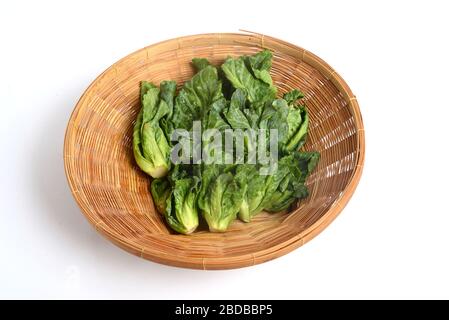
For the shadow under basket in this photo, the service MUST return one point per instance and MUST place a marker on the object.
(113, 193)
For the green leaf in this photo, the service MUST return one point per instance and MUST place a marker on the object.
(260, 65)
(287, 184)
(297, 120)
(168, 90)
(196, 97)
(208, 175)
(241, 77)
(200, 63)
(220, 198)
(235, 113)
(290, 121)
(304, 163)
(292, 96)
(150, 145)
(145, 164)
(144, 87)
(298, 123)
(213, 119)
(150, 102)
(160, 190)
(182, 211)
(180, 171)
(274, 117)
(226, 85)
(294, 121)
(253, 187)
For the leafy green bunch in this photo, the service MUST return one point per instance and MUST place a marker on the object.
(238, 95)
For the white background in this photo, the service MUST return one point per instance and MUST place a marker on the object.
(391, 241)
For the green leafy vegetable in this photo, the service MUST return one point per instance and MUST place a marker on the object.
(260, 65)
(150, 145)
(196, 97)
(293, 95)
(287, 184)
(160, 189)
(253, 186)
(168, 90)
(296, 135)
(200, 63)
(235, 114)
(239, 95)
(220, 198)
(253, 79)
(182, 211)
(297, 120)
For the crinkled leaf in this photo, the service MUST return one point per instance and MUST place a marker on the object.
(298, 123)
(150, 145)
(160, 190)
(220, 198)
(287, 184)
(274, 117)
(144, 87)
(196, 97)
(260, 65)
(150, 102)
(200, 63)
(235, 113)
(292, 96)
(213, 119)
(145, 164)
(168, 90)
(240, 76)
(253, 186)
(181, 211)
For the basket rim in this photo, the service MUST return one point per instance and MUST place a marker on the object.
(247, 259)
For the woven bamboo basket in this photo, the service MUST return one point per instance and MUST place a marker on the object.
(113, 193)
